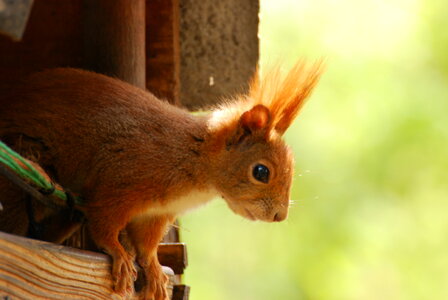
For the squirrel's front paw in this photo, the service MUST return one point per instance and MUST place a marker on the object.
(124, 274)
(155, 282)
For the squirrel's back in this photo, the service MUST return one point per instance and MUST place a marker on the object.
(80, 124)
(57, 94)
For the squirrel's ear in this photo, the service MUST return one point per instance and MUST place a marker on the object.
(255, 119)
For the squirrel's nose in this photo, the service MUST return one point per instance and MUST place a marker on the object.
(279, 216)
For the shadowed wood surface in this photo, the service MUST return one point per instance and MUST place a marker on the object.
(31, 269)
(173, 255)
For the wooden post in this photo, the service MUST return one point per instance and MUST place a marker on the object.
(163, 52)
(114, 38)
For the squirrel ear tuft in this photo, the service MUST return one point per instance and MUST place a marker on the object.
(285, 94)
(255, 119)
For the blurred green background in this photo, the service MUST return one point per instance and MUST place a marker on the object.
(370, 218)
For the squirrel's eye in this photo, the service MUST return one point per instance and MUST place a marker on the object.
(261, 173)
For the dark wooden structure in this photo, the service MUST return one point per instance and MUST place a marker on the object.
(187, 52)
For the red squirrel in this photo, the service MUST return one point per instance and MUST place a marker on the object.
(138, 162)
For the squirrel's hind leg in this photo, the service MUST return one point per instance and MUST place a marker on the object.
(145, 233)
(104, 231)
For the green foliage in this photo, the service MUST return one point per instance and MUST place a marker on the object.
(369, 221)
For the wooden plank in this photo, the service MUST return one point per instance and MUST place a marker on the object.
(162, 49)
(173, 255)
(31, 269)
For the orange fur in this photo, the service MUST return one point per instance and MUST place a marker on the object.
(284, 95)
(138, 162)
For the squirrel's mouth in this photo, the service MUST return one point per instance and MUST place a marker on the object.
(240, 209)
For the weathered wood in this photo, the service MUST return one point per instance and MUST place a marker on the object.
(114, 38)
(173, 255)
(162, 49)
(14, 16)
(31, 269)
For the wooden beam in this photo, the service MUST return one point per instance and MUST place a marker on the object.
(162, 49)
(31, 269)
(114, 38)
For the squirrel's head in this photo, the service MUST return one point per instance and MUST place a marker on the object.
(253, 165)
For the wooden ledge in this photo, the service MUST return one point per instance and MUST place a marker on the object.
(173, 255)
(31, 269)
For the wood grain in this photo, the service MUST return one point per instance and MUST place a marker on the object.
(162, 49)
(114, 38)
(31, 269)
